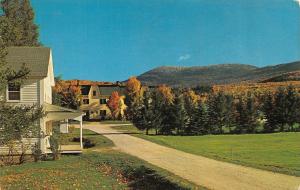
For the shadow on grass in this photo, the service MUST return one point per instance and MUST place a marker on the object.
(147, 179)
(119, 133)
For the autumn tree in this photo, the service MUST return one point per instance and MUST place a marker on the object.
(66, 95)
(114, 104)
(134, 98)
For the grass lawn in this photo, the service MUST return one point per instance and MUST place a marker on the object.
(99, 167)
(278, 152)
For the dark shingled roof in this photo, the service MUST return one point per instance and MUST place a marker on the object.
(85, 89)
(35, 58)
(108, 90)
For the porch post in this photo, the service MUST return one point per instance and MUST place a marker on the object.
(81, 145)
(67, 120)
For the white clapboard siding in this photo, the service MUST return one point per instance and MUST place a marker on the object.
(17, 150)
(30, 92)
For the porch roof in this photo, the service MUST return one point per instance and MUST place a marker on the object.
(57, 113)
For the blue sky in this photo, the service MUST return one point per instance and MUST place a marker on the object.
(111, 40)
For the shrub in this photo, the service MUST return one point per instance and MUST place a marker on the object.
(87, 143)
(36, 152)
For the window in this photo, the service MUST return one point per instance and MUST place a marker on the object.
(94, 93)
(86, 101)
(103, 113)
(14, 92)
(102, 101)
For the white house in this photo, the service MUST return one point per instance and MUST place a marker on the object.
(37, 89)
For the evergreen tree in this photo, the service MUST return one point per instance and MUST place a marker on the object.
(165, 101)
(16, 122)
(181, 117)
(251, 115)
(157, 114)
(230, 112)
(281, 111)
(147, 112)
(240, 118)
(292, 100)
(269, 109)
(190, 104)
(30, 29)
(217, 112)
(246, 115)
(19, 19)
(202, 125)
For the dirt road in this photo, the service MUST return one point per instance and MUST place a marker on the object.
(197, 169)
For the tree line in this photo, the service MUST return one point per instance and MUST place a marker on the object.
(183, 112)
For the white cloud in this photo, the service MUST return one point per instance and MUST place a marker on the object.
(297, 1)
(184, 57)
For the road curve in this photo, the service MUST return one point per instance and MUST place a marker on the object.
(200, 170)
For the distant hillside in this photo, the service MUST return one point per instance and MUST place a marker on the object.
(215, 74)
(77, 82)
(290, 76)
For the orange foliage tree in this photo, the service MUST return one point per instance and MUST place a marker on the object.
(66, 95)
(114, 104)
(134, 97)
(165, 93)
(133, 86)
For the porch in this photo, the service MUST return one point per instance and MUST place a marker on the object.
(62, 116)
(68, 149)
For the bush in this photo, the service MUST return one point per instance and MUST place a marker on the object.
(54, 146)
(87, 143)
(36, 152)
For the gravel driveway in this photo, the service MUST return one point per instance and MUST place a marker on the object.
(197, 169)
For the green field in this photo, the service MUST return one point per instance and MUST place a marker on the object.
(99, 167)
(278, 152)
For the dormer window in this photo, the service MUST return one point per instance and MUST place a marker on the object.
(14, 92)
(94, 93)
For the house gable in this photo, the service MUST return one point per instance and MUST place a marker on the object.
(37, 88)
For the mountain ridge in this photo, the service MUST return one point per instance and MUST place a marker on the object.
(215, 74)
